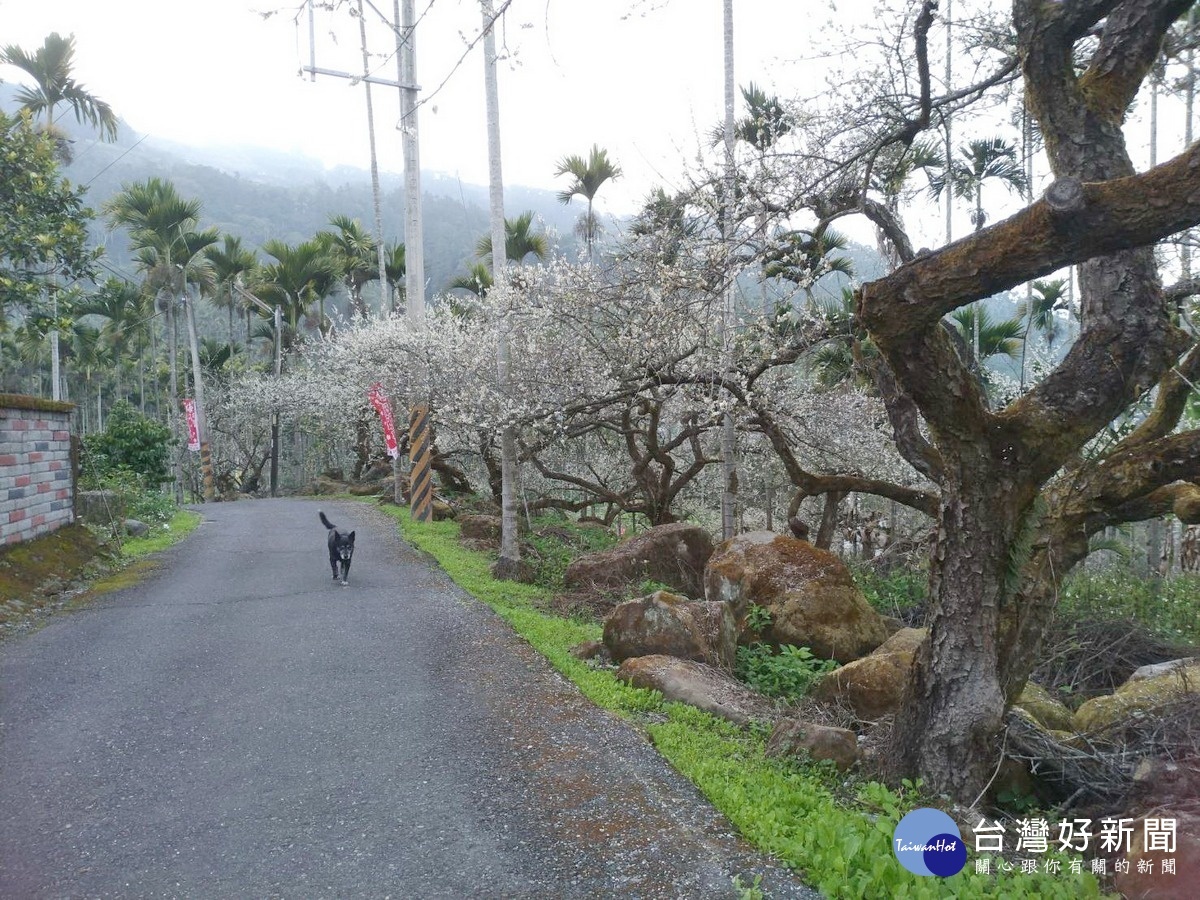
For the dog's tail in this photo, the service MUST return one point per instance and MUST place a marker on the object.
(325, 521)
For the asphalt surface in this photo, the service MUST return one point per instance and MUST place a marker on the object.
(238, 725)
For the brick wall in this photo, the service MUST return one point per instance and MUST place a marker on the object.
(37, 484)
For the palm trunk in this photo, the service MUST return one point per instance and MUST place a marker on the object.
(173, 363)
(729, 475)
(510, 554)
(198, 387)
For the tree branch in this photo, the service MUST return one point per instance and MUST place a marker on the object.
(1075, 222)
(1129, 45)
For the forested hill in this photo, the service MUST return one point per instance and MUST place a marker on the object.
(262, 194)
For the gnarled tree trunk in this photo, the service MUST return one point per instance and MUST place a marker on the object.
(992, 466)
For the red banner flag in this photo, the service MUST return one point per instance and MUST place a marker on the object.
(380, 402)
(189, 408)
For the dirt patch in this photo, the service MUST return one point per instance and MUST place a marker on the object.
(589, 606)
(44, 574)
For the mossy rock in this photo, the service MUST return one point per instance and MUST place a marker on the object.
(1137, 698)
(1047, 711)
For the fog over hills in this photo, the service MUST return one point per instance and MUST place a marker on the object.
(259, 194)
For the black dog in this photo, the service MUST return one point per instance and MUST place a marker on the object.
(341, 548)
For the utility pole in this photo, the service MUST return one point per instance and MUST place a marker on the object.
(362, 31)
(55, 376)
(420, 438)
(367, 80)
(404, 27)
(206, 468)
(414, 233)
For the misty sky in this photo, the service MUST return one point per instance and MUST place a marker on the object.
(642, 78)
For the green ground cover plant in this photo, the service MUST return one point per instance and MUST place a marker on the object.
(1166, 607)
(839, 840)
(895, 593)
(555, 543)
(788, 673)
(182, 523)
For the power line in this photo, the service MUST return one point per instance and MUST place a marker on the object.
(397, 29)
(117, 160)
(471, 46)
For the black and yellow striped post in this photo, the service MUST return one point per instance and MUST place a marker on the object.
(206, 471)
(421, 471)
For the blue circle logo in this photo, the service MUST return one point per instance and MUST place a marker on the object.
(927, 842)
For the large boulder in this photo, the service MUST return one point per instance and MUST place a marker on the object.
(809, 593)
(324, 485)
(136, 528)
(673, 555)
(672, 625)
(1153, 670)
(793, 737)
(871, 687)
(697, 684)
(1162, 782)
(1134, 697)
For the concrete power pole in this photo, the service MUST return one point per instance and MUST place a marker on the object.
(404, 27)
(420, 443)
(375, 193)
(414, 249)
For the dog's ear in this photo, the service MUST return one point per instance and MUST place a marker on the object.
(352, 537)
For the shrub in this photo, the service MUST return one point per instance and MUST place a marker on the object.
(132, 444)
(555, 543)
(1168, 608)
(787, 674)
(900, 592)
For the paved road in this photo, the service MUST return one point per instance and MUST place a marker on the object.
(238, 726)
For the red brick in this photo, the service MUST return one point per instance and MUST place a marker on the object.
(8, 460)
(44, 487)
(62, 435)
(57, 464)
(16, 515)
(22, 481)
(37, 520)
(63, 494)
(36, 457)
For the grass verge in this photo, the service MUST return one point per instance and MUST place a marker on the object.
(68, 567)
(790, 810)
(182, 524)
(134, 561)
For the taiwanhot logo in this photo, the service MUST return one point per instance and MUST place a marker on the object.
(927, 842)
